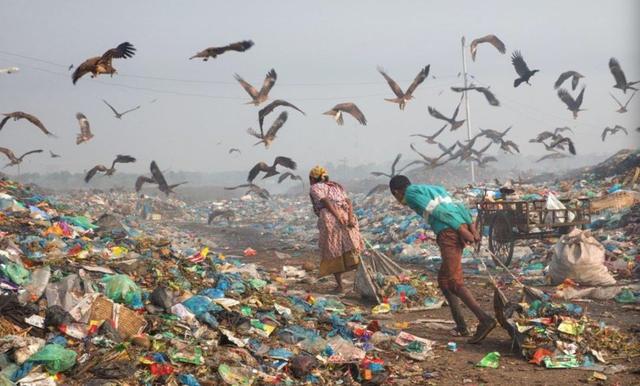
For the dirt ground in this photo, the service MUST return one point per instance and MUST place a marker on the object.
(452, 368)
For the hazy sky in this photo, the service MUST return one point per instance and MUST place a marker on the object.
(324, 53)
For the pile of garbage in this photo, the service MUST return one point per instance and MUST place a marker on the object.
(561, 335)
(87, 299)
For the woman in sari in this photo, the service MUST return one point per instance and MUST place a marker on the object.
(339, 240)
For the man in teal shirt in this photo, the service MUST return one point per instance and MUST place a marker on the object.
(454, 228)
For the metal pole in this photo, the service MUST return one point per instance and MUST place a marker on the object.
(466, 105)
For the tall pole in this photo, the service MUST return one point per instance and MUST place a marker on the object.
(466, 105)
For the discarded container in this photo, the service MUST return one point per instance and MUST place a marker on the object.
(491, 360)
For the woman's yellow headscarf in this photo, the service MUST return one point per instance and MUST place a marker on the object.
(318, 173)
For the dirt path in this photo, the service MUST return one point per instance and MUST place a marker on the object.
(452, 368)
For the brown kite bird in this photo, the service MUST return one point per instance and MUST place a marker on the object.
(257, 97)
(85, 129)
(491, 39)
(13, 160)
(575, 78)
(402, 97)
(253, 188)
(271, 170)
(573, 105)
(452, 121)
(619, 77)
(349, 108)
(272, 106)
(17, 115)
(212, 52)
(102, 64)
(268, 138)
(108, 171)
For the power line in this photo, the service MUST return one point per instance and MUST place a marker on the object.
(220, 82)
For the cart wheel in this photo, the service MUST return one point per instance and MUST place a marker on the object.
(501, 238)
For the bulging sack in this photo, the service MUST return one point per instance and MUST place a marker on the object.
(580, 257)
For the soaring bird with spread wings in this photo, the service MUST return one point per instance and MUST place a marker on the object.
(253, 188)
(402, 97)
(85, 129)
(108, 171)
(452, 121)
(494, 135)
(488, 95)
(429, 162)
(156, 178)
(623, 108)
(102, 64)
(17, 115)
(270, 171)
(118, 114)
(13, 160)
(555, 135)
(430, 138)
(573, 105)
(383, 187)
(491, 39)
(612, 131)
(272, 106)
(522, 69)
(619, 77)
(213, 52)
(553, 155)
(350, 108)
(575, 78)
(292, 177)
(257, 97)
(270, 136)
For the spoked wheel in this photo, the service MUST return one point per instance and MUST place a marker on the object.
(501, 238)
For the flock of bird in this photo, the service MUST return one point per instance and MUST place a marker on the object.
(558, 145)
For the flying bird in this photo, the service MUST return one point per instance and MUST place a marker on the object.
(575, 77)
(491, 39)
(393, 168)
(159, 179)
(226, 214)
(268, 138)
(212, 52)
(116, 113)
(448, 150)
(141, 180)
(292, 177)
(573, 105)
(619, 77)
(54, 155)
(270, 171)
(552, 156)
(108, 171)
(102, 64)
(488, 95)
(350, 108)
(271, 106)
(560, 141)
(555, 135)
(430, 162)
(261, 192)
(85, 129)
(623, 108)
(483, 161)
(234, 150)
(494, 135)
(257, 97)
(13, 160)
(452, 121)
(402, 97)
(17, 115)
(430, 138)
(524, 73)
(613, 131)
(508, 145)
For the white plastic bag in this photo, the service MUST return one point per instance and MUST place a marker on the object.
(580, 257)
(554, 203)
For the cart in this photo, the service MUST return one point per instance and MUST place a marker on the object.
(509, 221)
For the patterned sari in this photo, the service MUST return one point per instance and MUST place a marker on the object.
(340, 246)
